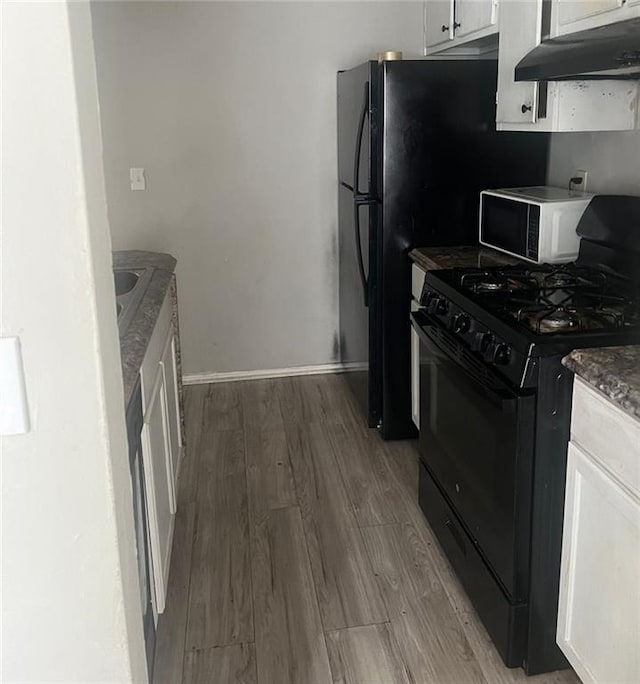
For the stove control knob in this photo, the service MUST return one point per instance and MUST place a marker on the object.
(439, 306)
(461, 323)
(501, 354)
(427, 298)
(482, 341)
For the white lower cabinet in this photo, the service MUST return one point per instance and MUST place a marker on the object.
(174, 434)
(161, 446)
(158, 487)
(599, 610)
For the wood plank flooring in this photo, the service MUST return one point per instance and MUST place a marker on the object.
(301, 556)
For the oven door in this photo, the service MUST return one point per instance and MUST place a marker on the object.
(476, 441)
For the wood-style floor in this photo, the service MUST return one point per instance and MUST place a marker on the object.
(300, 554)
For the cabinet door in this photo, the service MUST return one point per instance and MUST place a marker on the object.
(168, 363)
(571, 11)
(158, 487)
(415, 372)
(439, 21)
(599, 610)
(520, 26)
(473, 15)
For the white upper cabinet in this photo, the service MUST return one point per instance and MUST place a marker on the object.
(520, 26)
(472, 16)
(463, 27)
(471, 27)
(439, 22)
(555, 106)
(568, 16)
(570, 11)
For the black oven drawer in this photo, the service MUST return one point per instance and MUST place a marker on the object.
(505, 621)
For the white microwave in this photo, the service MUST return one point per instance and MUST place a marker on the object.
(537, 224)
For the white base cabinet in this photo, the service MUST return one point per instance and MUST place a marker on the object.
(158, 488)
(599, 610)
(161, 446)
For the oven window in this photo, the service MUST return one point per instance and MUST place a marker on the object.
(505, 223)
(469, 443)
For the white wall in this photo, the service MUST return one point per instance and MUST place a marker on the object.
(230, 107)
(70, 599)
(612, 160)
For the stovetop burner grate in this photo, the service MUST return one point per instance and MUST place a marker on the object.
(549, 299)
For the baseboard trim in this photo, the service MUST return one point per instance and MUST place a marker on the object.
(235, 376)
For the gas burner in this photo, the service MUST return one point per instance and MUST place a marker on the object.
(559, 279)
(490, 286)
(560, 319)
(550, 319)
(481, 282)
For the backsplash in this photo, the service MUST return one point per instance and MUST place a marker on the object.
(611, 159)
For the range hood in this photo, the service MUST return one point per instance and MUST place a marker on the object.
(611, 51)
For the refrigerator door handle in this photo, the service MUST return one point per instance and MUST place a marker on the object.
(363, 276)
(356, 162)
(360, 198)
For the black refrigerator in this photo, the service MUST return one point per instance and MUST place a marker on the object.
(416, 144)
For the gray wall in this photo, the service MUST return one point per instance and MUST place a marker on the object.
(230, 107)
(612, 160)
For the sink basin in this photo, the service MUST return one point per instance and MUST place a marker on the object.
(124, 281)
(130, 285)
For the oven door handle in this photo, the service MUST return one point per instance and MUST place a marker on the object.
(505, 398)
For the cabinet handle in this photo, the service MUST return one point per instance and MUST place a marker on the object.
(525, 108)
(444, 28)
(456, 25)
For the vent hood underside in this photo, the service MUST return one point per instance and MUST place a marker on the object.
(611, 51)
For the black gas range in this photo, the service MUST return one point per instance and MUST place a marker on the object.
(495, 403)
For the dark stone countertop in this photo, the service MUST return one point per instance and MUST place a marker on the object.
(430, 258)
(614, 371)
(135, 339)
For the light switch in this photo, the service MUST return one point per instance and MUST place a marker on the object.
(14, 411)
(136, 176)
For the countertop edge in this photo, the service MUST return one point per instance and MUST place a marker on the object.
(475, 256)
(135, 340)
(613, 371)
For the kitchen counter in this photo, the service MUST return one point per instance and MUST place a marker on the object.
(430, 258)
(614, 371)
(135, 338)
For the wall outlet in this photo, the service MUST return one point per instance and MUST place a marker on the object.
(137, 179)
(580, 173)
